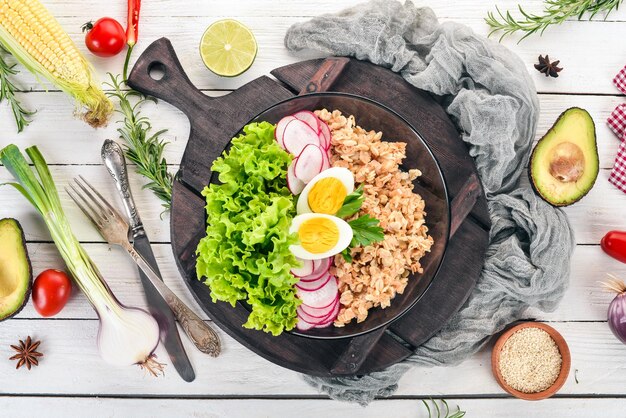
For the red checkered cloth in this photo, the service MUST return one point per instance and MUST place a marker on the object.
(617, 122)
(618, 173)
(620, 80)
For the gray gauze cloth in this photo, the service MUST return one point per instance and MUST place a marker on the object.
(490, 96)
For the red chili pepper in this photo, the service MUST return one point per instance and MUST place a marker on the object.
(132, 30)
(614, 244)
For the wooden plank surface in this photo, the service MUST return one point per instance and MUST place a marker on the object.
(72, 367)
(74, 143)
(305, 408)
(459, 10)
(570, 41)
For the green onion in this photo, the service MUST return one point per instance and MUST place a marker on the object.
(126, 335)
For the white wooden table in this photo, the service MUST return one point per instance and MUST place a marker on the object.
(73, 381)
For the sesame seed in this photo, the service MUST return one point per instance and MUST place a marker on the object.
(530, 360)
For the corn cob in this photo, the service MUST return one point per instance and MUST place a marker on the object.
(39, 43)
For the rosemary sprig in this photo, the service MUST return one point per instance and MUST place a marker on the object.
(7, 91)
(554, 13)
(455, 414)
(142, 146)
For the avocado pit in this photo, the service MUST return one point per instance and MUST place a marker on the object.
(564, 164)
(567, 162)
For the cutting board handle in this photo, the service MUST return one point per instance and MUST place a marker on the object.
(464, 202)
(158, 73)
(326, 75)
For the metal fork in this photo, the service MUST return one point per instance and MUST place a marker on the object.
(114, 229)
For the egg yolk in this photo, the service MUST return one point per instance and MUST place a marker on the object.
(318, 235)
(327, 196)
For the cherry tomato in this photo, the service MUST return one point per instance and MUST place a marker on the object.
(51, 291)
(614, 244)
(105, 38)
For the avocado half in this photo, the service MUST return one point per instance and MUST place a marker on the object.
(15, 269)
(564, 164)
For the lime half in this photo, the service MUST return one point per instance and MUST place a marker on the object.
(228, 48)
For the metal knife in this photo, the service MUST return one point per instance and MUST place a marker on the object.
(113, 158)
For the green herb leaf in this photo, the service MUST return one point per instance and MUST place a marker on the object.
(554, 12)
(455, 414)
(367, 230)
(351, 204)
(7, 91)
(142, 146)
(427, 408)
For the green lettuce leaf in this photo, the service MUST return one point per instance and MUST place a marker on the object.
(245, 255)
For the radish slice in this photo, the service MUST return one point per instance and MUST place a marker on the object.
(310, 320)
(309, 118)
(312, 277)
(310, 162)
(317, 319)
(320, 268)
(305, 270)
(294, 184)
(310, 309)
(319, 312)
(321, 297)
(331, 317)
(323, 265)
(302, 317)
(302, 325)
(314, 285)
(297, 135)
(326, 162)
(280, 129)
(325, 135)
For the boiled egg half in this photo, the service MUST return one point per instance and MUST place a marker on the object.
(319, 235)
(326, 192)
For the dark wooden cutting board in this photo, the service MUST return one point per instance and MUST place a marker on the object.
(214, 121)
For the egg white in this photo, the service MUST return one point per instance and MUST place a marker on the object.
(345, 236)
(342, 174)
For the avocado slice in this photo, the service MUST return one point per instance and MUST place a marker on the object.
(564, 164)
(15, 269)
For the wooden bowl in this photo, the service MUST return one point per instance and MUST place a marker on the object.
(565, 365)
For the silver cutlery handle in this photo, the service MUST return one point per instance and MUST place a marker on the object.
(113, 158)
(198, 331)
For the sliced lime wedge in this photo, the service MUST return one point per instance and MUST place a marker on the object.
(228, 48)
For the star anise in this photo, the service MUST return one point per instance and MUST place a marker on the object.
(26, 353)
(547, 67)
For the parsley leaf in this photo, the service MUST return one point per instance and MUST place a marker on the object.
(366, 230)
(351, 204)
